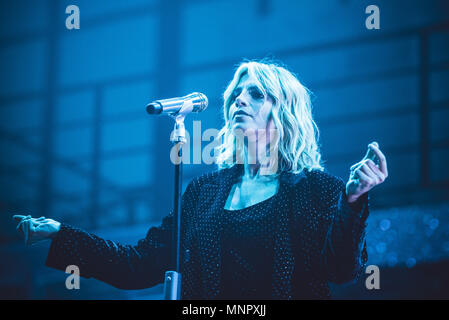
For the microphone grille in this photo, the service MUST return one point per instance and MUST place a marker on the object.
(199, 101)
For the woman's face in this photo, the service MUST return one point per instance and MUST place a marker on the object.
(250, 109)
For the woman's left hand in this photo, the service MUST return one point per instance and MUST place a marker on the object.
(365, 174)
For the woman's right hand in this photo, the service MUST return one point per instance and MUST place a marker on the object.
(36, 229)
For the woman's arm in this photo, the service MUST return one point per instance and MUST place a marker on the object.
(344, 250)
(123, 266)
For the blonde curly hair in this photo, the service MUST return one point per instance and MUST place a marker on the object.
(297, 132)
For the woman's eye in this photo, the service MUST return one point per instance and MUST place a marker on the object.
(256, 94)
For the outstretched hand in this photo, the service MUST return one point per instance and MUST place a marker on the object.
(366, 174)
(36, 229)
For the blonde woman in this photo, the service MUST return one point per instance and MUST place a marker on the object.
(271, 223)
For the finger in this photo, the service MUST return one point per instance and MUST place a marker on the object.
(367, 170)
(31, 232)
(370, 153)
(358, 165)
(20, 227)
(376, 170)
(18, 217)
(21, 223)
(26, 229)
(35, 222)
(374, 143)
(363, 178)
(27, 218)
(354, 166)
(354, 169)
(382, 160)
(21, 218)
(40, 226)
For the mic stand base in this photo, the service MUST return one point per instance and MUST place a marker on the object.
(172, 285)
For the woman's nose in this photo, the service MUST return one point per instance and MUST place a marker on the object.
(240, 101)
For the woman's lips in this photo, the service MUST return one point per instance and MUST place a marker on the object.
(241, 113)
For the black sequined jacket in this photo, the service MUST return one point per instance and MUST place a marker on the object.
(319, 238)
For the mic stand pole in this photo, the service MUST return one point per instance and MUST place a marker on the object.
(172, 282)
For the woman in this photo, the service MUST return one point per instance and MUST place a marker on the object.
(270, 224)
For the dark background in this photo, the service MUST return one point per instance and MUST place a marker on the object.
(77, 146)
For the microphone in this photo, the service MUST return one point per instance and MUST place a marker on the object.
(194, 102)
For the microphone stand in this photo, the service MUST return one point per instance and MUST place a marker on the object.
(172, 281)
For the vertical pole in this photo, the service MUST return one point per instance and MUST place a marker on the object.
(172, 281)
(177, 211)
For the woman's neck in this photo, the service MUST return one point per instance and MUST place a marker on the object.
(257, 157)
(254, 169)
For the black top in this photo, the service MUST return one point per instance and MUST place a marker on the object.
(319, 238)
(247, 259)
